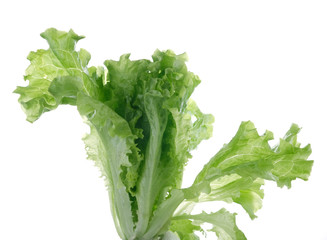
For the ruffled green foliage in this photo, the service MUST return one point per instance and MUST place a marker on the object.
(223, 225)
(142, 128)
(237, 172)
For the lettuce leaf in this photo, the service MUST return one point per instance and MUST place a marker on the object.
(237, 172)
(223, 225)
(60, 60)
(143, 127)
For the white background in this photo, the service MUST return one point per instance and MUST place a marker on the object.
(263, 61)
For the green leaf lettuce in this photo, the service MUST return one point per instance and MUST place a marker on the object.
(143, 127)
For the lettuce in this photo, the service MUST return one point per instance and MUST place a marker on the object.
(143, 127)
